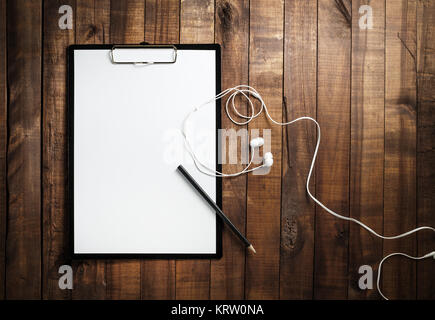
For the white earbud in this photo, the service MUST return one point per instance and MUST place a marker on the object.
(257, 142)
(268, 159)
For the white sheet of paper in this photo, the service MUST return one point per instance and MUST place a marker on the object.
(128, 196)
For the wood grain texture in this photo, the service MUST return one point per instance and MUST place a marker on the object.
(367, 143)
(196, 26)
(157, 279)
(23, 246)
(85, 26)
(91, 22)
(299, 140)
(123, 280)
(231, 32)
(3, 144)
(197, 21)
(264, 191)
(102, 21)
(399, 275)
(161, 27)
(162, 21)
(426, 144)
(127, 19)
(332, 179)
(192, 279)
(89, 280)
(55, 237)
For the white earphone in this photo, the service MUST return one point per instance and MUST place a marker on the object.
(268, 159)
(257, 142)
(248, 91)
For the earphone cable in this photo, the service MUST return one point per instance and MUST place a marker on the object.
(247, 91)
(432, 254)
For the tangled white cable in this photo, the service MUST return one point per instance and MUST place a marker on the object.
(248, 91)
(254, 144)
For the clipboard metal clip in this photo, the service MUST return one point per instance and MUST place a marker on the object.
(172, 59)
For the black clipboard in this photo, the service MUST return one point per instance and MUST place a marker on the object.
(70, 130)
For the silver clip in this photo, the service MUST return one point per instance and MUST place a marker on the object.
(144, 46)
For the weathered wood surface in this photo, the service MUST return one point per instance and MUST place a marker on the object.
(371, 90)
(3, 144)
(332, 175)
(23, 238)
(298, 211)
(399, 275)
(367, 143)
(264, 191)
(54, 158)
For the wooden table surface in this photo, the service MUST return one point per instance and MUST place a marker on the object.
(372, 91)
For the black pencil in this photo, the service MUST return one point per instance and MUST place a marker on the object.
(215, 206)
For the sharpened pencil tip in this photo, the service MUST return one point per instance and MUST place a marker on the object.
(251, 248)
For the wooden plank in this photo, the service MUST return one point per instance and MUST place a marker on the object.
(298, 211)
(231, 31)
(332, 179)
(399, 275)
(126, 26)
(85, 26)
(161, 26)
(123, 280)
(54, 149)
(162, 21)
(89, 280)
(158, 279)
(426, 144)
(197, 21)
(3, 144)
(102, 21)
(196, 26)
(91, 23)
(367, 143)
(127, 20)
(23, 246)
(264, 191)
